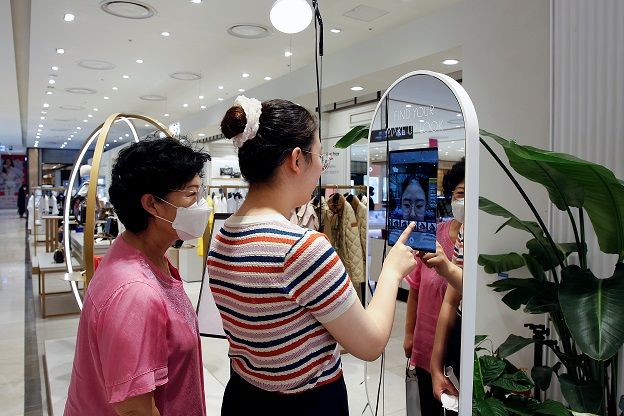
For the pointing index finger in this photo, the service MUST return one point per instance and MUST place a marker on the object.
(406, 233)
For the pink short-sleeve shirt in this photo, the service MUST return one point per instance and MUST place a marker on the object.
(431, 288)
(137, 333)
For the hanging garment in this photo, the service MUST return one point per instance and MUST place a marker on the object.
(220, 203)
(305, 216)
(45, 207)
(361, 216)
(54, 204)
(231, 204)
(340, 225)
(31, 212)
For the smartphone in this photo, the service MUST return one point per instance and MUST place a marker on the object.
(413, 192)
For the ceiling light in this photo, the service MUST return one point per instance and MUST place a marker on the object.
(40, 125)
(450, 62)
(78, 128)
(106, 98)
(71, 135)
(139, 61)
(69, 139)
(166, 114)
(201, 97)
(127, 135)
(85, 120)
(219, 99)
(201, 134)
(51, 81)
(165, 34)
(42, 118)
(89, 115)
(55, 68)
(422, 121)
(69, 17)
(115, 141)
(245, 75)
(290, 16)
(357, 88)
(268, 78)
(39, 130)
(107, 144)
(203, 107)
(46, 105)
(335, 30)
(95, 109)
(241, 90)
(220, 87)
(48, 92)
(125, 76)
(287, 54)
(408, 105)
(196, 1)
(184, 105)
(459, 115)
(60, 51)
(44, 112)
(146, 125)
(249, 31)
(115, 88)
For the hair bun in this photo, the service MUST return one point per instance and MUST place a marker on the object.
(233, 122)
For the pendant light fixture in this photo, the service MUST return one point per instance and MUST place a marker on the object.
(291, 16)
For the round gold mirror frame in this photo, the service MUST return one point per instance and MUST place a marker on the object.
(101, 133)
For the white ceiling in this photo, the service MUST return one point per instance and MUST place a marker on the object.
(198, 43)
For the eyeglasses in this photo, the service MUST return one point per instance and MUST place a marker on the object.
(326, 159)
(201, 192)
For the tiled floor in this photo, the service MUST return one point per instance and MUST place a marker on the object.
(56, 341)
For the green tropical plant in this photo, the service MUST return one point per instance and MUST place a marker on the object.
(354, 135)
(501, 389)
(585, 311)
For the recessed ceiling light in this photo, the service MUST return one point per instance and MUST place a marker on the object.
(203, 107)
(450, 62)
(42, 118)
(185, 76)
(459, 115)
(249, 31)
(408, 105)
(60, 51)
(95, 109)
(287, 54)
(201, 97)
(127, 135)
(39, 130)
(245, 75)
(357, 88)
(115, 141)
(44, 112)
(422, 121)
(107, 144)
(184, 105)
(51, 82)
(69, 17)
(55, 68)
(146, 125)
(125, 76)
(85, 120)
(78, 128)
(220, 87)
(71, 135)
(165, 33)
(166, 114)
(201, 134)
(106, 98)
(335, 30)
(196, 1)
(48, 92)
(268, 78)
(219, 99)
(46, 105)
(89, 115)
(241, 90)
(69, 139)
(40, 125)
(139, 61)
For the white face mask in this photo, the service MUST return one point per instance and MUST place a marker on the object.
(190, 222)
(457, 206)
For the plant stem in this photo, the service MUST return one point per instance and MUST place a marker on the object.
(582, 253)
(579, 245)
(526, 199)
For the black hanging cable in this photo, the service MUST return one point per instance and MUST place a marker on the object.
(318, 64)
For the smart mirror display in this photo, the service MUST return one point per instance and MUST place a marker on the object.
(413, 177)
(417, 138)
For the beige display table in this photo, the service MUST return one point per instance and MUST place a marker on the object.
(77, 242)
(46, 267)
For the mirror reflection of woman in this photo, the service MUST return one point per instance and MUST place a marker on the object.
(427, 291)
(413, 199)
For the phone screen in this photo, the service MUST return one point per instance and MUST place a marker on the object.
(413, 189)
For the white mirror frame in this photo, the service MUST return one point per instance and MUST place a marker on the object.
(469, 304)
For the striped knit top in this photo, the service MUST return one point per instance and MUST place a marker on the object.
(275, 284)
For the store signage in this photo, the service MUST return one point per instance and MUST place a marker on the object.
(392, 133)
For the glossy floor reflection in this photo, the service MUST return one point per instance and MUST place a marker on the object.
(56, 340)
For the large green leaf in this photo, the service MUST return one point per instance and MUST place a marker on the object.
(544, 254)
(536, 269)
(593, 310)
(354, 135)
(585, 397)
(543, 375)
(491, 368)
(478, 388)
(516, 382)
(573, 182)
(551, 407)
(512, 344)
(528, 406)
(498, 263)
(541, 304)
(531, 227)
(480, 338)
(490, 407)
(521, 291)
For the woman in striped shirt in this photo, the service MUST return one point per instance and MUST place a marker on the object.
(282, 292)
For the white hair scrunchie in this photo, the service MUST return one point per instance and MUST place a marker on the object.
(252, 109)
